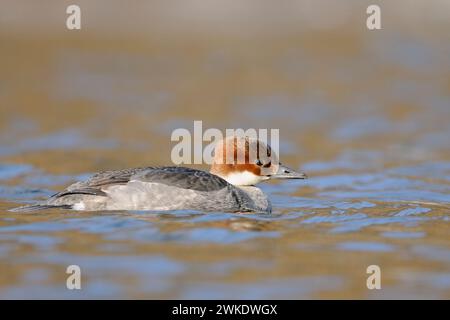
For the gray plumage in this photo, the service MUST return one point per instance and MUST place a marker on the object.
(157, 188)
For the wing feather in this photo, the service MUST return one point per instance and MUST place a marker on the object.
(180, 177)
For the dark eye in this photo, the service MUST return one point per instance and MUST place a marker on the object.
(258, 163)
(268, 164)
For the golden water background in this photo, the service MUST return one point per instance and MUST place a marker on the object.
(364, 113)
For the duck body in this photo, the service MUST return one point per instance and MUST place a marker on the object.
(160, 189)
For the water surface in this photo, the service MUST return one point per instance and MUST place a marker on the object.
(365, 115)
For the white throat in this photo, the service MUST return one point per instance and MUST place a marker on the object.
(244, 178)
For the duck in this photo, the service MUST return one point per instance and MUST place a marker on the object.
(239, 164)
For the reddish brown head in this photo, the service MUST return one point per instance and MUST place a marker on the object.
(247, 161)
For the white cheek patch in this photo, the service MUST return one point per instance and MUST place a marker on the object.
(244, 178)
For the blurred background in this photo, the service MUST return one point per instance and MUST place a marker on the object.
(364, 113)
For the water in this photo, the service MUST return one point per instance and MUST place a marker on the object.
(367, 119)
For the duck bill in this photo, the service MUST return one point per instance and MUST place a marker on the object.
(288, 173)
